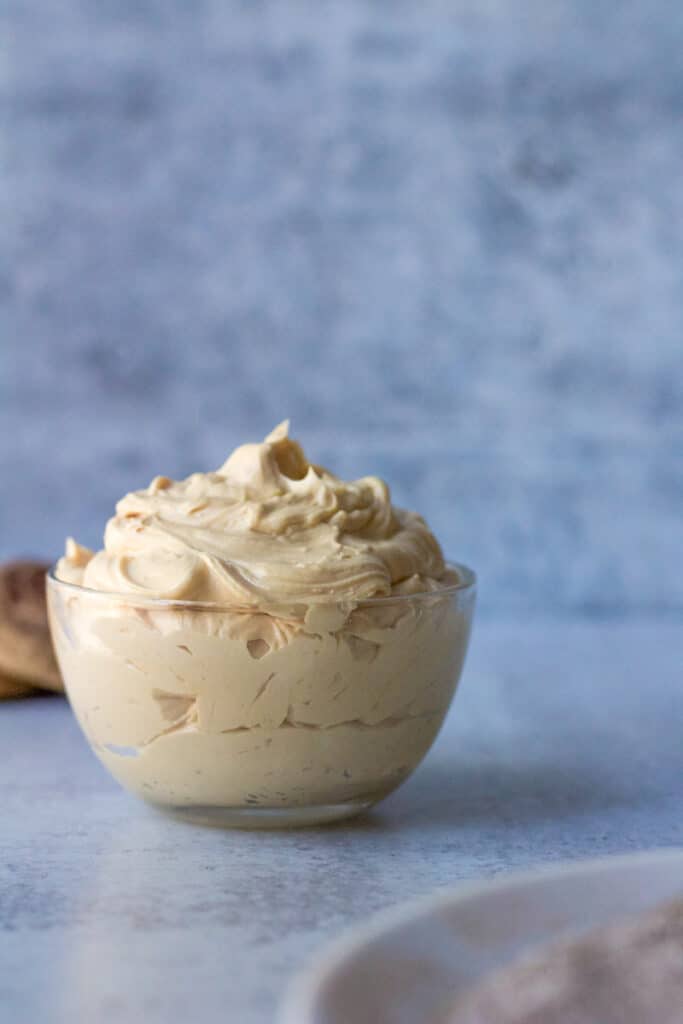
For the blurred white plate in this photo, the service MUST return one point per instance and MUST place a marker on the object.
(407, 965)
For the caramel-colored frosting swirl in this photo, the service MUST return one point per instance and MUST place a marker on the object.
(266, 530)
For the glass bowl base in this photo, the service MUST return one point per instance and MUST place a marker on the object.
(266, 817)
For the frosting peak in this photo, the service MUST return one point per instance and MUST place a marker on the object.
(264, 469)
(267, 529)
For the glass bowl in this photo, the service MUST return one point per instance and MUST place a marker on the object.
(242, 718)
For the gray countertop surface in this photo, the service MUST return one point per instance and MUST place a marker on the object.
(565, 741)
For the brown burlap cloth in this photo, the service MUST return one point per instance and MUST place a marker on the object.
(27, 661)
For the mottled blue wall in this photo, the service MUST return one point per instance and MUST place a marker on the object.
(446, 238)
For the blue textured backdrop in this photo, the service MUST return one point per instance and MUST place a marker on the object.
(445, 237)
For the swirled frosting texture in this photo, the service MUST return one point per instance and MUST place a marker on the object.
(268, 529)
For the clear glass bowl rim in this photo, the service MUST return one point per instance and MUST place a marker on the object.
(466, 584)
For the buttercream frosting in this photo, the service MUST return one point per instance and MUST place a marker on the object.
(266, 529)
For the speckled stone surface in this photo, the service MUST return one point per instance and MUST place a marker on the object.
(445, 236)
(564, 742)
